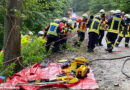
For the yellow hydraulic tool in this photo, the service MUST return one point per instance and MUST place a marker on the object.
(68, 79)
(82, 71)
(79, 65)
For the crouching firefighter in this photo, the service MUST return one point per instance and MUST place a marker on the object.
(114, 24)
(94, 26)
(125, 33)
(81, 30)
(52, 33)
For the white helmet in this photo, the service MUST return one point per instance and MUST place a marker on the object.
(64, 18)
(102, 11)
(112, 12)
(30, 33)
(70, 21)
(126, 15)
(57, 20)
(41, 32)
(118, 11)
(123, 12)
(129, 16)
(85, 15)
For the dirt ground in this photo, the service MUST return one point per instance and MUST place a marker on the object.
(107, 73)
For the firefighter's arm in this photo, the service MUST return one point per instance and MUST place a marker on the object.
(89, 23)
(71, 28)
(63, 30)
(46, 30)
(109, 21)
(123, 24)
(58, 30)
(75, 25)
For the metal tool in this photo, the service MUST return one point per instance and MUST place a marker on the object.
(58, 80)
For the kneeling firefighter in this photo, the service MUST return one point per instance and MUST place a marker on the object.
(114, 24)
(94, 25)
(81, 30)
(52, 33)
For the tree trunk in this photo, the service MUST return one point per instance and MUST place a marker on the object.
(12, 36)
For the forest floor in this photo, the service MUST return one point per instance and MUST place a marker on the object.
(107, 73)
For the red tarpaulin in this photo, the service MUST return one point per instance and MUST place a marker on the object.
(54, 69)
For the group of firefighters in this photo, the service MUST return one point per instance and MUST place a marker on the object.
(117, 27)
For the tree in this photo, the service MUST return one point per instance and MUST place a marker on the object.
(12, 36)
(95, 5)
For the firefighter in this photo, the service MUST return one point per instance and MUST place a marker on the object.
(26, 38)
(63, 24)
(102, 27)
(123, 15)
(40, 33)
(114, 24)
(125, 33)
(66, 31)
(94, 25)
(52, 33)
(81, 30)
(112, 13)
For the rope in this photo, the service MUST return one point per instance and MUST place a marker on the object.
(12, 60)
(41, 47)
(59, 40)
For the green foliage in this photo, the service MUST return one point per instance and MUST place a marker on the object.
(34, 52)
(36, 14)
(95, 5)
(9, 70)
(125, 5)
(2, 15)
(40, 13)
(70, 48)
(1, 60)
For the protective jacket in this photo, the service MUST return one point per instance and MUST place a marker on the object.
(95, 25)
(53, 29)
(114, 24)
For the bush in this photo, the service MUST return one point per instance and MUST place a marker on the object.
(9, 70)
(34, 52)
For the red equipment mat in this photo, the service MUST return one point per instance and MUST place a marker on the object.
(36, 73)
